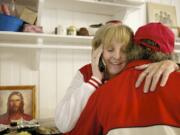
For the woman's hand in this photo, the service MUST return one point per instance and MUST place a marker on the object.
(96, 54)
(153, 72)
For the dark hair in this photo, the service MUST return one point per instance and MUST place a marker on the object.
(22, 101)
(136, 52)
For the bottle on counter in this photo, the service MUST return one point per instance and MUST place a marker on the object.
(12, 8)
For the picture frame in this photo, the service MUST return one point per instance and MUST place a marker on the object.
(17, 99)
(165, 14)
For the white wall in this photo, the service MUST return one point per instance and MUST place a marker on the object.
(139, 16)
(57, 67)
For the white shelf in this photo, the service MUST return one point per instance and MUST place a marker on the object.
(36, 40)
(40, 40)
(93, 6)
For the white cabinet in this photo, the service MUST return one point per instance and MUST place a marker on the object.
(82, 13)
(52, 13)
(36, 42)
(107, 10)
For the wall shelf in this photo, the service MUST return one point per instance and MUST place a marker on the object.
(93, 6)
(36, 40)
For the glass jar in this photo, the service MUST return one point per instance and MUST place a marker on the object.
(71, 30)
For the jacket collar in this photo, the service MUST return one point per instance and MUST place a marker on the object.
(135, 63)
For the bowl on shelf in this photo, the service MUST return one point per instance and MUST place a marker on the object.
(10, 23)
(93, 28)
(114, 22)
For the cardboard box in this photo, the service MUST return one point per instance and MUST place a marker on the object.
(28, 16)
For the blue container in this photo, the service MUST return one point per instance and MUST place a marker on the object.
(10, 23)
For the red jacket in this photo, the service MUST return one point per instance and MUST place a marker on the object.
(86, 71)
(118, 104)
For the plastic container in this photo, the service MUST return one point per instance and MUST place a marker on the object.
(10, 23)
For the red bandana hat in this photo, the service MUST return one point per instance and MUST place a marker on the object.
(157, 32)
